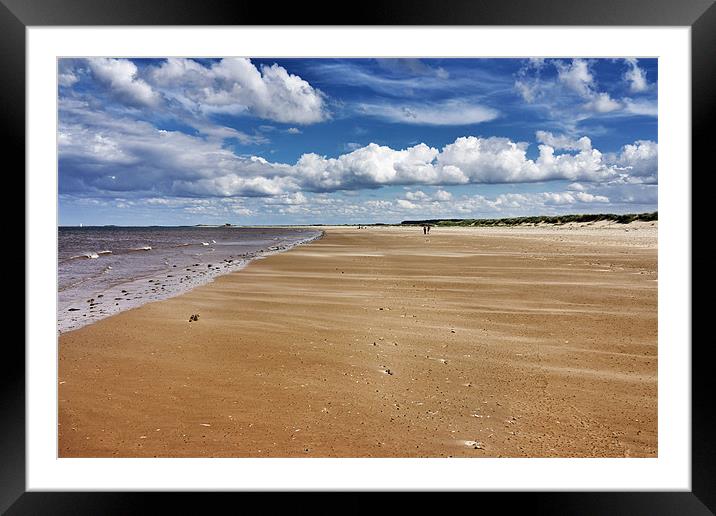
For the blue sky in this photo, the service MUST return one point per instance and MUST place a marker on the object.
(299, 141)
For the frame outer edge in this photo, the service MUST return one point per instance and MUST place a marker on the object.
(371, 12)
(703, 112)
(12, 98)
(12, 365)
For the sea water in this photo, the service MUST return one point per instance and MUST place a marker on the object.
(104, 270)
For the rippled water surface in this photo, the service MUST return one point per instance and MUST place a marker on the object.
(102, 270)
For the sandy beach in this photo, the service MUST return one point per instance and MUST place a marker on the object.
(383, 342)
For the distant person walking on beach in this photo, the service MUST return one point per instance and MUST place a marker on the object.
(425, 230)
(428, 228)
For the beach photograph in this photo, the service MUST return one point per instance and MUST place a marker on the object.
(357, 257)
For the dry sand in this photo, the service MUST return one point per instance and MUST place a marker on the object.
(380, 342)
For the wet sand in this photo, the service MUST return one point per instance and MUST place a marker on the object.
(381, 342)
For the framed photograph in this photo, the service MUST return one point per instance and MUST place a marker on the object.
(422, 249)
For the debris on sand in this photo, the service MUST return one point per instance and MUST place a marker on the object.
(193, 317)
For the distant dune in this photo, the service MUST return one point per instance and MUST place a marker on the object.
(541, 219)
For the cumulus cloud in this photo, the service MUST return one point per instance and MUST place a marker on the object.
(621, 194)
(440, 196)
(603, 103)
(502, 205)
(486, 160)
(576, 76)
(528, 82)
(99, 152)
(229, 86)
(443, 196)
(120, 76)
(236, 86)
(635, 76)
(587, 197)
(639, 160)
(575, 90)
(370, 166)
(327, 207)
(563, 142)
(417, 195)
(407, 205)
(293, 199)
(164, 135)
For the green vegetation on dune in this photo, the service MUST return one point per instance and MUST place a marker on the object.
(543, 219)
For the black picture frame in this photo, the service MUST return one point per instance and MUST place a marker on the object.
(700, 15)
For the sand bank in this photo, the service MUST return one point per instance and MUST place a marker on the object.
(381, 342)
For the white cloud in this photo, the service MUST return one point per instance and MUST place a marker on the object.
(587, 197)
(369, 166)
(120, 75)
(443, 196)
(99, 152)
(67, 79)
(576, 76)
(635, 76)
(486, 160)
(603, 103)
(236, 86)
(628, 193)
(529, 91)
(575, 93)
(530, 87)
(293, 199)
(293, 130)
(586, 165)
(417, 195)
(449, 112)
(563, 142)
(641, 107)
(639, 160)
(407, 205)
(178, 72)
(66, 73)
(403, 78)
(502, 205)
(558, 198)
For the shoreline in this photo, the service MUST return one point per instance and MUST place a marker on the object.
(67, 325)
(379, 342)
